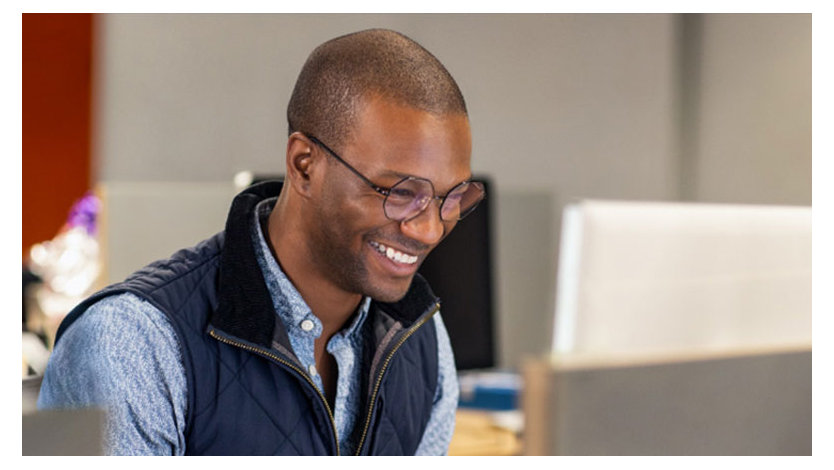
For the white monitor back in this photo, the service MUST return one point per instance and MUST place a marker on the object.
(648, 278)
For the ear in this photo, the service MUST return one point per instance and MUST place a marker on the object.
(300, 164)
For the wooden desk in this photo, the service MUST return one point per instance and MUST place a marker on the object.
(476, 434)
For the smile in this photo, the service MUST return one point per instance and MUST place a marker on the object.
(392, 254)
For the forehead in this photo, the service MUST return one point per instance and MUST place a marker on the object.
(390, 141)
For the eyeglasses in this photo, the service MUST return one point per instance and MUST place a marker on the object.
(411, 195)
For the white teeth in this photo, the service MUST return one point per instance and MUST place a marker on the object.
(393, 254)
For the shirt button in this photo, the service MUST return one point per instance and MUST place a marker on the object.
(312, 370)
(307, 325)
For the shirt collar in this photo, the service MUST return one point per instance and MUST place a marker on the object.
(289, 305)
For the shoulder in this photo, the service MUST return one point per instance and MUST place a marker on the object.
(118, 347)
(120, 335)
(447, 373)
(444, 345)
(441, 424)
(124, 319)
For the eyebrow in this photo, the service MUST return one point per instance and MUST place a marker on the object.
(396, 174)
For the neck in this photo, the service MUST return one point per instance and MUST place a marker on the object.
(332, 305)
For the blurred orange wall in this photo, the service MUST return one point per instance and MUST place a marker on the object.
(57, 73)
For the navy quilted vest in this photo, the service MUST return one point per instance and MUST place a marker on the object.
(247, 393)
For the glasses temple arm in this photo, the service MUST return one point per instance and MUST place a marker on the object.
(380, 190)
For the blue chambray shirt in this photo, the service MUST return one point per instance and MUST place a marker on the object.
(123, 354)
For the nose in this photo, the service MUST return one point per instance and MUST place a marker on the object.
(426, 227)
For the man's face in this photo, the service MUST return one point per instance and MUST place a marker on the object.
(350, 229)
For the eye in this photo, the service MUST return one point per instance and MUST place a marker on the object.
(402, 193)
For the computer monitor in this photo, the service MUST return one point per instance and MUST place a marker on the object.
(459, 271)
(657, 277)
(680, 329)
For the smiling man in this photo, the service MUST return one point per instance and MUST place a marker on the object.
(303, 328)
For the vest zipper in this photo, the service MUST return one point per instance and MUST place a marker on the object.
(384, 367)
(269, 355)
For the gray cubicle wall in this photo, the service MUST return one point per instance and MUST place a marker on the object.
(562, 106)
(722, 403)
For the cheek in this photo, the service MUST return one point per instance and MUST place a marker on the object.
(348, 220)
(350, 212)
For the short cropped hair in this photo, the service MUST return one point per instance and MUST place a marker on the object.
(341, 72)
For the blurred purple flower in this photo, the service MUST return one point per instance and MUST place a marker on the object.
(84, 213)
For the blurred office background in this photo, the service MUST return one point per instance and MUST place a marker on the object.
(160, 111)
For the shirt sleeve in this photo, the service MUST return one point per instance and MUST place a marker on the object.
(122, 355)
(441, 423)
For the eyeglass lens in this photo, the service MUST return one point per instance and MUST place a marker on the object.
(411, 196)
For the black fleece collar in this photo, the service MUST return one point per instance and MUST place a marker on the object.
(244, 306)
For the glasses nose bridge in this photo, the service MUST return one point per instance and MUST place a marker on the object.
(439, 203)
(434, 198)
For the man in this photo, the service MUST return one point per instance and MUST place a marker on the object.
(303, 327)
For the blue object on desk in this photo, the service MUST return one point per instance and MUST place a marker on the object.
(497, 391)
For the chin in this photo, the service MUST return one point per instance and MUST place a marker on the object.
(389, 293)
